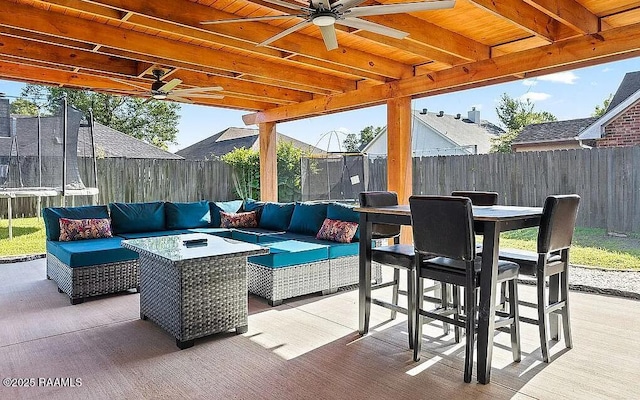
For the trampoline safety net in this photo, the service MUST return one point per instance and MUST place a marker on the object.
(32, 155)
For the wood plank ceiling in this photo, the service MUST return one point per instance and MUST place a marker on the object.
(113, 45)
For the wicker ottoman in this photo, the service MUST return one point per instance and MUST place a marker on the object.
(194, 291)
(81, 282)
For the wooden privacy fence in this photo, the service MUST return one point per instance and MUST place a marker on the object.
(140, 180)
(607, 180)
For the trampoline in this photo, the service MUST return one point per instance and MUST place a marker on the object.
(46, 156)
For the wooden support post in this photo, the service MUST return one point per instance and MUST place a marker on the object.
(399, 155)
(268, 162)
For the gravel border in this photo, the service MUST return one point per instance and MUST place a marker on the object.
(21, 258)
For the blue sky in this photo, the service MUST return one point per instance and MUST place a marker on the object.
(567, 95)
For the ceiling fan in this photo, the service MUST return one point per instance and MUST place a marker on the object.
(325, 14)
(165, 91)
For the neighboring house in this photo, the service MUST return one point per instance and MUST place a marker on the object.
(555, 135)
(234, 138)
(441, 134)
(619, 126)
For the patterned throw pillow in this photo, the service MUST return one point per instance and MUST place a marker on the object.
(80, 229)
(337, 231)
(239, 220)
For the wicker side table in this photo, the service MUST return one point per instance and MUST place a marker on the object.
(195, 291)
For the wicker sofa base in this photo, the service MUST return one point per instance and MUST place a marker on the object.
(345, 271)
(82, 282)
(277, 284)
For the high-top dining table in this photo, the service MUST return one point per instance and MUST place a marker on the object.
(488, 221)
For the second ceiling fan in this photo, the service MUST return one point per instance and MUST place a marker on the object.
(325, 14)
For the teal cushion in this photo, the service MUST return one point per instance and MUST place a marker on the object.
(276, 216)
(252, 205)
(138, 235)
(232, 206)
(256, 235)
(307, 218)
(221, 232)
(291, 252)
(84, 253)
(336, 249)
(187, 215)
(344, 212)
(52, 216)
(137, 217)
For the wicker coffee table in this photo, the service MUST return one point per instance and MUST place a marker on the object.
(194, 285)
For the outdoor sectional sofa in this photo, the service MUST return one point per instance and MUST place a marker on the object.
(297, 264)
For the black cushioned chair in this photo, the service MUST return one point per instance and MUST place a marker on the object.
(478, 198)
(550, 262)
(444, 243)
(399, 256)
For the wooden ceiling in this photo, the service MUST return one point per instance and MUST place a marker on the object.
(112, 45)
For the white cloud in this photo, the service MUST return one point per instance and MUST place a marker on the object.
(607, 69)
(535, 96)
(567, 77)
(529, 82)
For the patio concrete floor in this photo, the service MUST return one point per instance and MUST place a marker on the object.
(307, 348)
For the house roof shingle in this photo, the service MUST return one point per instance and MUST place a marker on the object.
(232, 138)
(462, 131)
(553, 131)
(629, 85)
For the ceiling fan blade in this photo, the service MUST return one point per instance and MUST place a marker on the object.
(265, 18)
(329, 36)
(180, 99)
(146, 89)
(170, 85)
(199, 96)
(284, 33)
(199, 89)
(399, 8)
(287, 4)
(343, 5)
(148, 100)
(372, 27)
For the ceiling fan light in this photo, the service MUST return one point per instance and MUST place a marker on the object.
(324, 20)
(159, 96)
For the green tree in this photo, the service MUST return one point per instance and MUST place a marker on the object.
(154, 122)
(353, 143)
(23, 107)
(246, 171)
(515, 114)
(601, 109)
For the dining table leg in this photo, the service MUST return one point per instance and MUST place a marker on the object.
(487, 309)
(364, 287)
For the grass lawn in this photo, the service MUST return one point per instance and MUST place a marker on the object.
(28, 237)
(591, 247)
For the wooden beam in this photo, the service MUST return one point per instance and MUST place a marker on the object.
(435, 36)
(268, 162)
(523, 15)
(570, 13)
(399, 157)
(593, 48)
(45, 52)
(59, 25)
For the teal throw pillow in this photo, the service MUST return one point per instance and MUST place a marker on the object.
(307, 218)
(137, 217)
(232, 206)
(276, 216)
(187, 215)
(52, 217)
